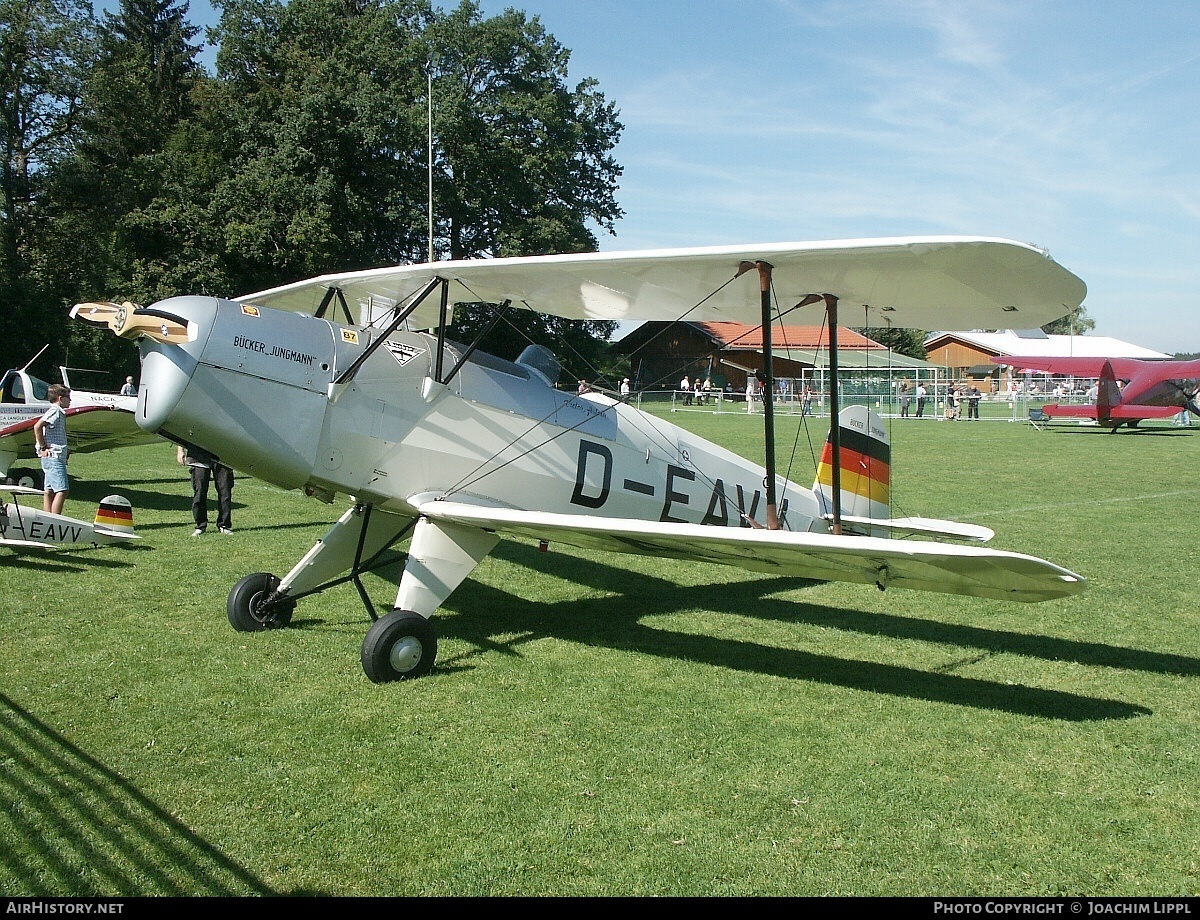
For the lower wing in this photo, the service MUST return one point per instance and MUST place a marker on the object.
(887, 563)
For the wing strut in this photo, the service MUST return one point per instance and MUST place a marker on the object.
(349, 372)
(764, 287)
(835, 427)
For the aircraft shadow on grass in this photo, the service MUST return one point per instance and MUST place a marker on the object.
(615, 622)
(78, 812)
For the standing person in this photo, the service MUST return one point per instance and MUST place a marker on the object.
(686, 386)
(50, 437)
(751, 387)
(698, 391)
(920, 400)
(128, 389)
(806, 406)
(206, 467)
(973, 398)
(625, 390)
(951, 403)
(905, 399)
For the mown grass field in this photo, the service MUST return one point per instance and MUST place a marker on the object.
(614, 725)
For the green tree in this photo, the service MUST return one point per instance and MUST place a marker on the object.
(522, 166)
(523, 162)
(113, 232)
(44, 45)
(910, 342)
(328, 103)
(1076, 322)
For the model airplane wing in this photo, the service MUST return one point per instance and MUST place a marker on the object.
(918, 282)
(90, 428)
(888, 563)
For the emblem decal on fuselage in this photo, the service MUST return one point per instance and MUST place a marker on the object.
(403, 353)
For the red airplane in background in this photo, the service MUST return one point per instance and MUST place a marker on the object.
(1151, 389)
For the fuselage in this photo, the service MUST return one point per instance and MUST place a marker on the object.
(257, 387)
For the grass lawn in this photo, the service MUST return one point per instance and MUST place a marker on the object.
(601, 724)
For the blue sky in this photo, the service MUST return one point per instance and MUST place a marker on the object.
(1069, 125)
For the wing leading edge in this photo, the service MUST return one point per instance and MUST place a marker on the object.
(888, 563)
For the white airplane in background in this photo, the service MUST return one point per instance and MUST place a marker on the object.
(95, 421)
(345, 384)
(24, 527)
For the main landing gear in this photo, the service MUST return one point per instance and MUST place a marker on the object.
(400, 645)
(253, 605)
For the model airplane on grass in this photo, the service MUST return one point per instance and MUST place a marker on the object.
(1151, 389)
(95, 421)
(346, 385)
(24, 527)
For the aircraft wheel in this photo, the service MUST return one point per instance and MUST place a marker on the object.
(245, 610)
(29, 479)
(400, 645)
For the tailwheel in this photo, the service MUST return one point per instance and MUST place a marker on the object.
(253, 607)
(400, 645)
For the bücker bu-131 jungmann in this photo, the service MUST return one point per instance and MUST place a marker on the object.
(346, 384)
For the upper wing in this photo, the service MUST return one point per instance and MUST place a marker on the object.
(887, 563)
(1122, 368)
(918, 282)
(90, 428)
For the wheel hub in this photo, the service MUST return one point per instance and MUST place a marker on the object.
(405, 654)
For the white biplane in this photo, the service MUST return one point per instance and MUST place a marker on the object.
(346, 384)
(24, 527)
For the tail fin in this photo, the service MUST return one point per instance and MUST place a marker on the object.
(115, 514)
(866, 468)
(1108, 394)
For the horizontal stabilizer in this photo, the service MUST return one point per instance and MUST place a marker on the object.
(1053, 410)
(915, 564)
(1127, 411)
(918, 525)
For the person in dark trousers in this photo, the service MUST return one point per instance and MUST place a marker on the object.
(973, 397)
(206, 467)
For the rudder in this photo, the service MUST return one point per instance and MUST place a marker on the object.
(866, 468)
(115, 514)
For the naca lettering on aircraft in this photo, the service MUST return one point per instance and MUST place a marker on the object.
(450, 448)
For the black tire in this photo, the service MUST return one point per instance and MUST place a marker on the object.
(244, 607)
(30, 479)
(400, 645)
